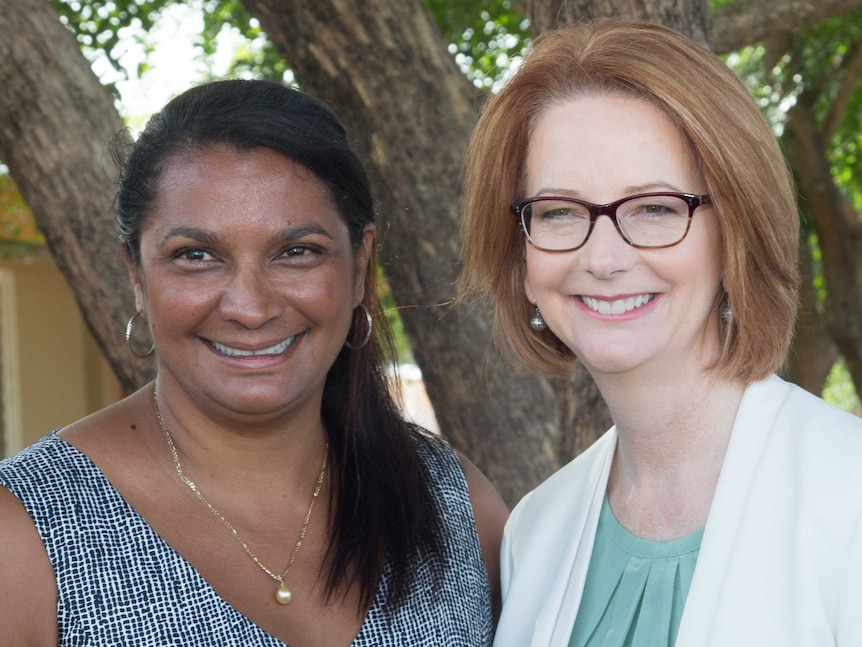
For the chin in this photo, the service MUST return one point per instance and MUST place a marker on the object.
(254, 403)
(609, 363)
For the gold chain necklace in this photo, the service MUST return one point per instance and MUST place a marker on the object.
(283, 595)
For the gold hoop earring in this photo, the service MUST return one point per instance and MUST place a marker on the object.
(129, 327)
(370, 323)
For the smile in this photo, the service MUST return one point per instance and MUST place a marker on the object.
(277, 349)
(619, 306)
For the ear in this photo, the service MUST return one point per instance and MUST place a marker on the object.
(363, 260)
(135, 278)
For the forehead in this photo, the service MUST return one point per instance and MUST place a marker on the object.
(260, 167)
(219, 184)
(608, 142)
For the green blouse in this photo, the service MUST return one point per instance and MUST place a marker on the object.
(635, 589)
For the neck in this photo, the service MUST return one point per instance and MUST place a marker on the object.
(672, 438)
(278, 456)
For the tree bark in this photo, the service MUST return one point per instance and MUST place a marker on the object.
(734, 26)
(813, 353)
(691, 17)
(56, 121)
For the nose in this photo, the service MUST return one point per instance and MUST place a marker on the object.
(606, 252)
(251, 298)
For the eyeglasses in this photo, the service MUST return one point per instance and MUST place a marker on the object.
(645, 220)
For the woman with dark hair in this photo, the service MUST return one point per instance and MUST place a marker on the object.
(626, 204)
(264, 489)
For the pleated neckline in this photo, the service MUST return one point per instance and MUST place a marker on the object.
(635, 589)
(639, 547)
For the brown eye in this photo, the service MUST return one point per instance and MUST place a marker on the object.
(304, 249)
(195, 255)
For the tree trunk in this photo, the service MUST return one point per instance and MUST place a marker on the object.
(813, 353)
(839, 233)
(56, 121)
(691, 17)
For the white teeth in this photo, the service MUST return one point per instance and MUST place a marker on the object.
(619, 306)
(277, 349)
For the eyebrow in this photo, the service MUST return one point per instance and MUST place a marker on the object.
(195, 233)
(629, 190)
(212, 238)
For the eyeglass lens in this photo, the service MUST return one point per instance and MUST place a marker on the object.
(645, 221)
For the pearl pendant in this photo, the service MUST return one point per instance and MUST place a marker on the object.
(283, 595)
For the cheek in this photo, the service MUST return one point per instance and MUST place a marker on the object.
(326, 295)
(335, 282)
(176, 306)
(185, 296)
(707, 265)
(545, 272)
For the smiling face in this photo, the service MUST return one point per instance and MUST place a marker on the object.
(249, 280)
(619, 308)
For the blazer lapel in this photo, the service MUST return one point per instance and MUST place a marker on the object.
(751, 430)
(554, 625)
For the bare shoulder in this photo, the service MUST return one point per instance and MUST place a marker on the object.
(28, 587)
(107, 435)
(28, 590)
(491, 514)
(484, 496)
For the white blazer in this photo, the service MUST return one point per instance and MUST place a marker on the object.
(780, 563)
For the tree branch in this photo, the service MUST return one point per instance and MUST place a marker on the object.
(743, 23)
(852, 68)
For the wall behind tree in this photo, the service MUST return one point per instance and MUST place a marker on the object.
(59, 374)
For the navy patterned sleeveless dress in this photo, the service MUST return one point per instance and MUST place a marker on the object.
(120, 584)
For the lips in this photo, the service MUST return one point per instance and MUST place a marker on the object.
(275, 349)
(618, 306)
